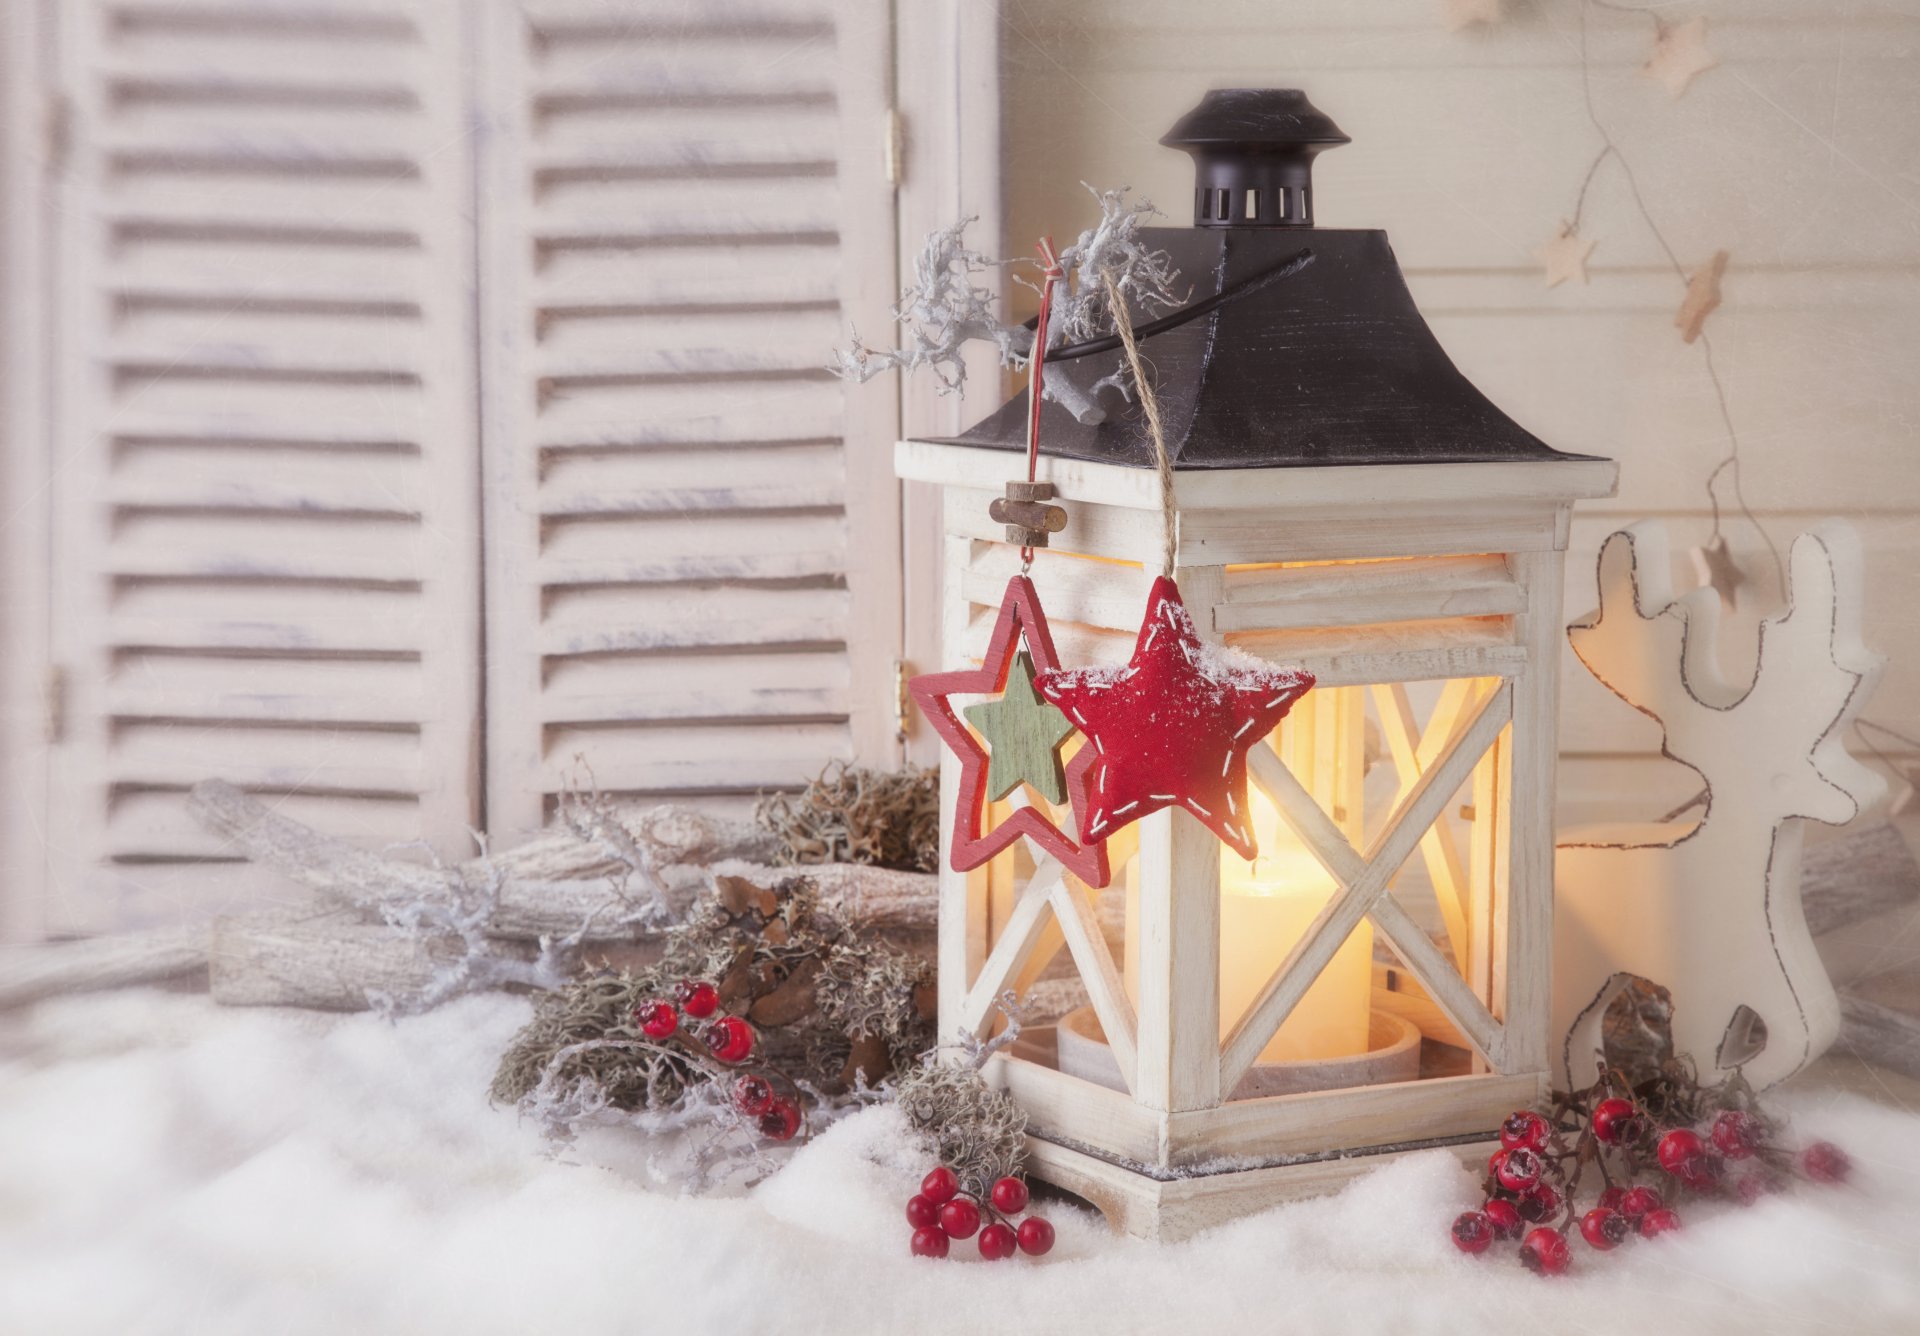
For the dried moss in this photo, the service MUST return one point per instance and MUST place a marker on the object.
(977, 1131)
(849, 814)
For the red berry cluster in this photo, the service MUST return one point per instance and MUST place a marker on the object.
(726, 1039)
(940, 1213)
(1668, 1132)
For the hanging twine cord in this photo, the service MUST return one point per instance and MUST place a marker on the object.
(1150, 404)
(1054, 273)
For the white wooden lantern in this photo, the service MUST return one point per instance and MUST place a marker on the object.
(1347, 503)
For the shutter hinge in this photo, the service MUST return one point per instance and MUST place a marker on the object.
(58, 130)
(56, 704)
(895, 149)
(902, 699)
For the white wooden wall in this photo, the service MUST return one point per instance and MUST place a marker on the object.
(1798, 155)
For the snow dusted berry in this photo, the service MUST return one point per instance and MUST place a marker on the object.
(1504, 1217)
(1752, 1186)
(730, 1039)
(997, 1242)
(1473, 1232)
(959, 1217)
(1545, 1252)
(1524, 1127)
(1613, 1199)
(1010, 1196)
(1036, 1236)
(1703, 1172)
(1605, 1229)
(780, 1121)
(1640, 1202)
(1616, 1122)
(1678, 1150)
(922, 1213)
(752, 1095)
(1825, 1162)
(1737, 1135)
(939, 1185)
(698, 998)
(1519, 1169)
(1662, 1221)
(1537, 1203)
(929, 1243)
(656, 1019)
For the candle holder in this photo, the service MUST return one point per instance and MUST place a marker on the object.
(1350, 504)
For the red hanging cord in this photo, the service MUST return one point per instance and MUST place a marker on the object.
(1037, 362)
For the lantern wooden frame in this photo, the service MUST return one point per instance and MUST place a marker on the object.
(1435, 571)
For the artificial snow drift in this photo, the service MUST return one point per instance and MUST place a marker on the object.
(170, 1166)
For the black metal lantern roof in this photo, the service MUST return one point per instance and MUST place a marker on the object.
(1329, 364)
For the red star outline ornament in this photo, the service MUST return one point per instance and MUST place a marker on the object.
(1173, 727)
(1020, 620)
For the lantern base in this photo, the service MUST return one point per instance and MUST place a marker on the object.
(1168, 1210)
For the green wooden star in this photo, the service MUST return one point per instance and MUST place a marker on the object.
(1023, 733)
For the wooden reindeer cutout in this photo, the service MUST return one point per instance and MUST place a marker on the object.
(1710, 909)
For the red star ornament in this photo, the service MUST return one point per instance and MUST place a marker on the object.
(1173, 727)
(1020, 620)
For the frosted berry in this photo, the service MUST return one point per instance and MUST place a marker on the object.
(1662, 1221)
(1679, 1149)
(922, 1213)
(1640, 1202)
(929, 1243)
(997, 1242)
(656, 1020)
(752, 1095)
(940, 1185)
(730, 1039)
(1524, 1127)
(1545, 1252)
(1735, 1134)
(1617, 1122)
(959, 1217)
(1519, 1169)
(1537, 1203)
(698, 998)
(1825, 1162)
(1605, 1229)
(1009, 1196)
(1504, 1216)
(1751, 1187)
(780, 1121)
(1473, 1232)
(1613, 1199)
(1036, 1236)
(1702, 1173)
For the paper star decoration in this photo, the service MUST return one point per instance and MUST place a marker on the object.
(1565, 256)
(1173, 727)
(1679, 53)
(970, 846)
(1715, 566)
(1023, 735)
(1465, 13)
(1702, 299)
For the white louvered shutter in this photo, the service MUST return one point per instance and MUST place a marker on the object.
(265, 540)
(692, 530)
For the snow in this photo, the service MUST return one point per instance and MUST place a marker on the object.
(167, 1165)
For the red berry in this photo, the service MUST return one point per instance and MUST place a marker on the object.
(1737, 1135)
(753, 1095)
(922, 1213)
(1545, 1252)
(1519, 1169)
(730, 1039)
(1524, 1127)
(1472, 1232)
(1640, 1202)
(1009, 1196)
(1612, 1199)
(1825, 1162)
(1605, 1229)
(1751, 1187)
(698, 998)
(1678, 1150)
(997, 1241)
(1702, 1173)
(1036, 1236)
(959, 1217)
(656, 1019)
(1504, 1216)
(939, 1185)
(1661, 1221)
(929, 1243)
(1617, 1122)
(1537, 1203)
(780, 1121)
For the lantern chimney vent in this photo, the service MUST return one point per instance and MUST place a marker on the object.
(1253, 151)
